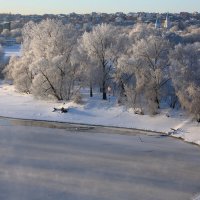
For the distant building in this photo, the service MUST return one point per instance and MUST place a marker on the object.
(185, 14)
(166, 24)
(119, 19)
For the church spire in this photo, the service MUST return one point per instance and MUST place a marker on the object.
(167, 22)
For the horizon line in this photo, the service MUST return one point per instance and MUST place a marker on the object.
(80, 13)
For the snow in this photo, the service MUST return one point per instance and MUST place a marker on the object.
(95, 111)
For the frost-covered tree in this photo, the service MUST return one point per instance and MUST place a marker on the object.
(15, 24)
(122, 77)
(185, 72)
(54, 78)
(47, 50)
(1, 59)
(127, 66)
(191, 34)
(143, 31)
(100, 45)
(149, 64)
(16, 32)
(5, 33)
(90, 71)
(1, 50)
(19, 71)
(125, 78)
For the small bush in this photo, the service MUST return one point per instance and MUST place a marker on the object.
(78, 98)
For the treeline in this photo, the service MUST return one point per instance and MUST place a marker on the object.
(144, 66)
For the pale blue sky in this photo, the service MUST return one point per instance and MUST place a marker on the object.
(87, 6)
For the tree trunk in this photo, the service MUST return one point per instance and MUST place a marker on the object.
(122, 90)
(104, 81)
(104, 90)
(198, 118)
(157, 99)
(91, 91)
(157, 102)
(104, 96)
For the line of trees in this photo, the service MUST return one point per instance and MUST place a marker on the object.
(1, 59)
(145, 67)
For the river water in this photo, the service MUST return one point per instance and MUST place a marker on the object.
(9, 51)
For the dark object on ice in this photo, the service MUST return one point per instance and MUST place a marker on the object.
(62, 110)
(175, 131)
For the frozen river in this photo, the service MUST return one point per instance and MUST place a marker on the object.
(14, 50)
(98, 164)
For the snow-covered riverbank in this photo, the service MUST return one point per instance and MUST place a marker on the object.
(95, 111)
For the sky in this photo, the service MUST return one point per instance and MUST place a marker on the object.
(88, 6)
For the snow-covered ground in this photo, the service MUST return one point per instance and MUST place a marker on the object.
(95, 111)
